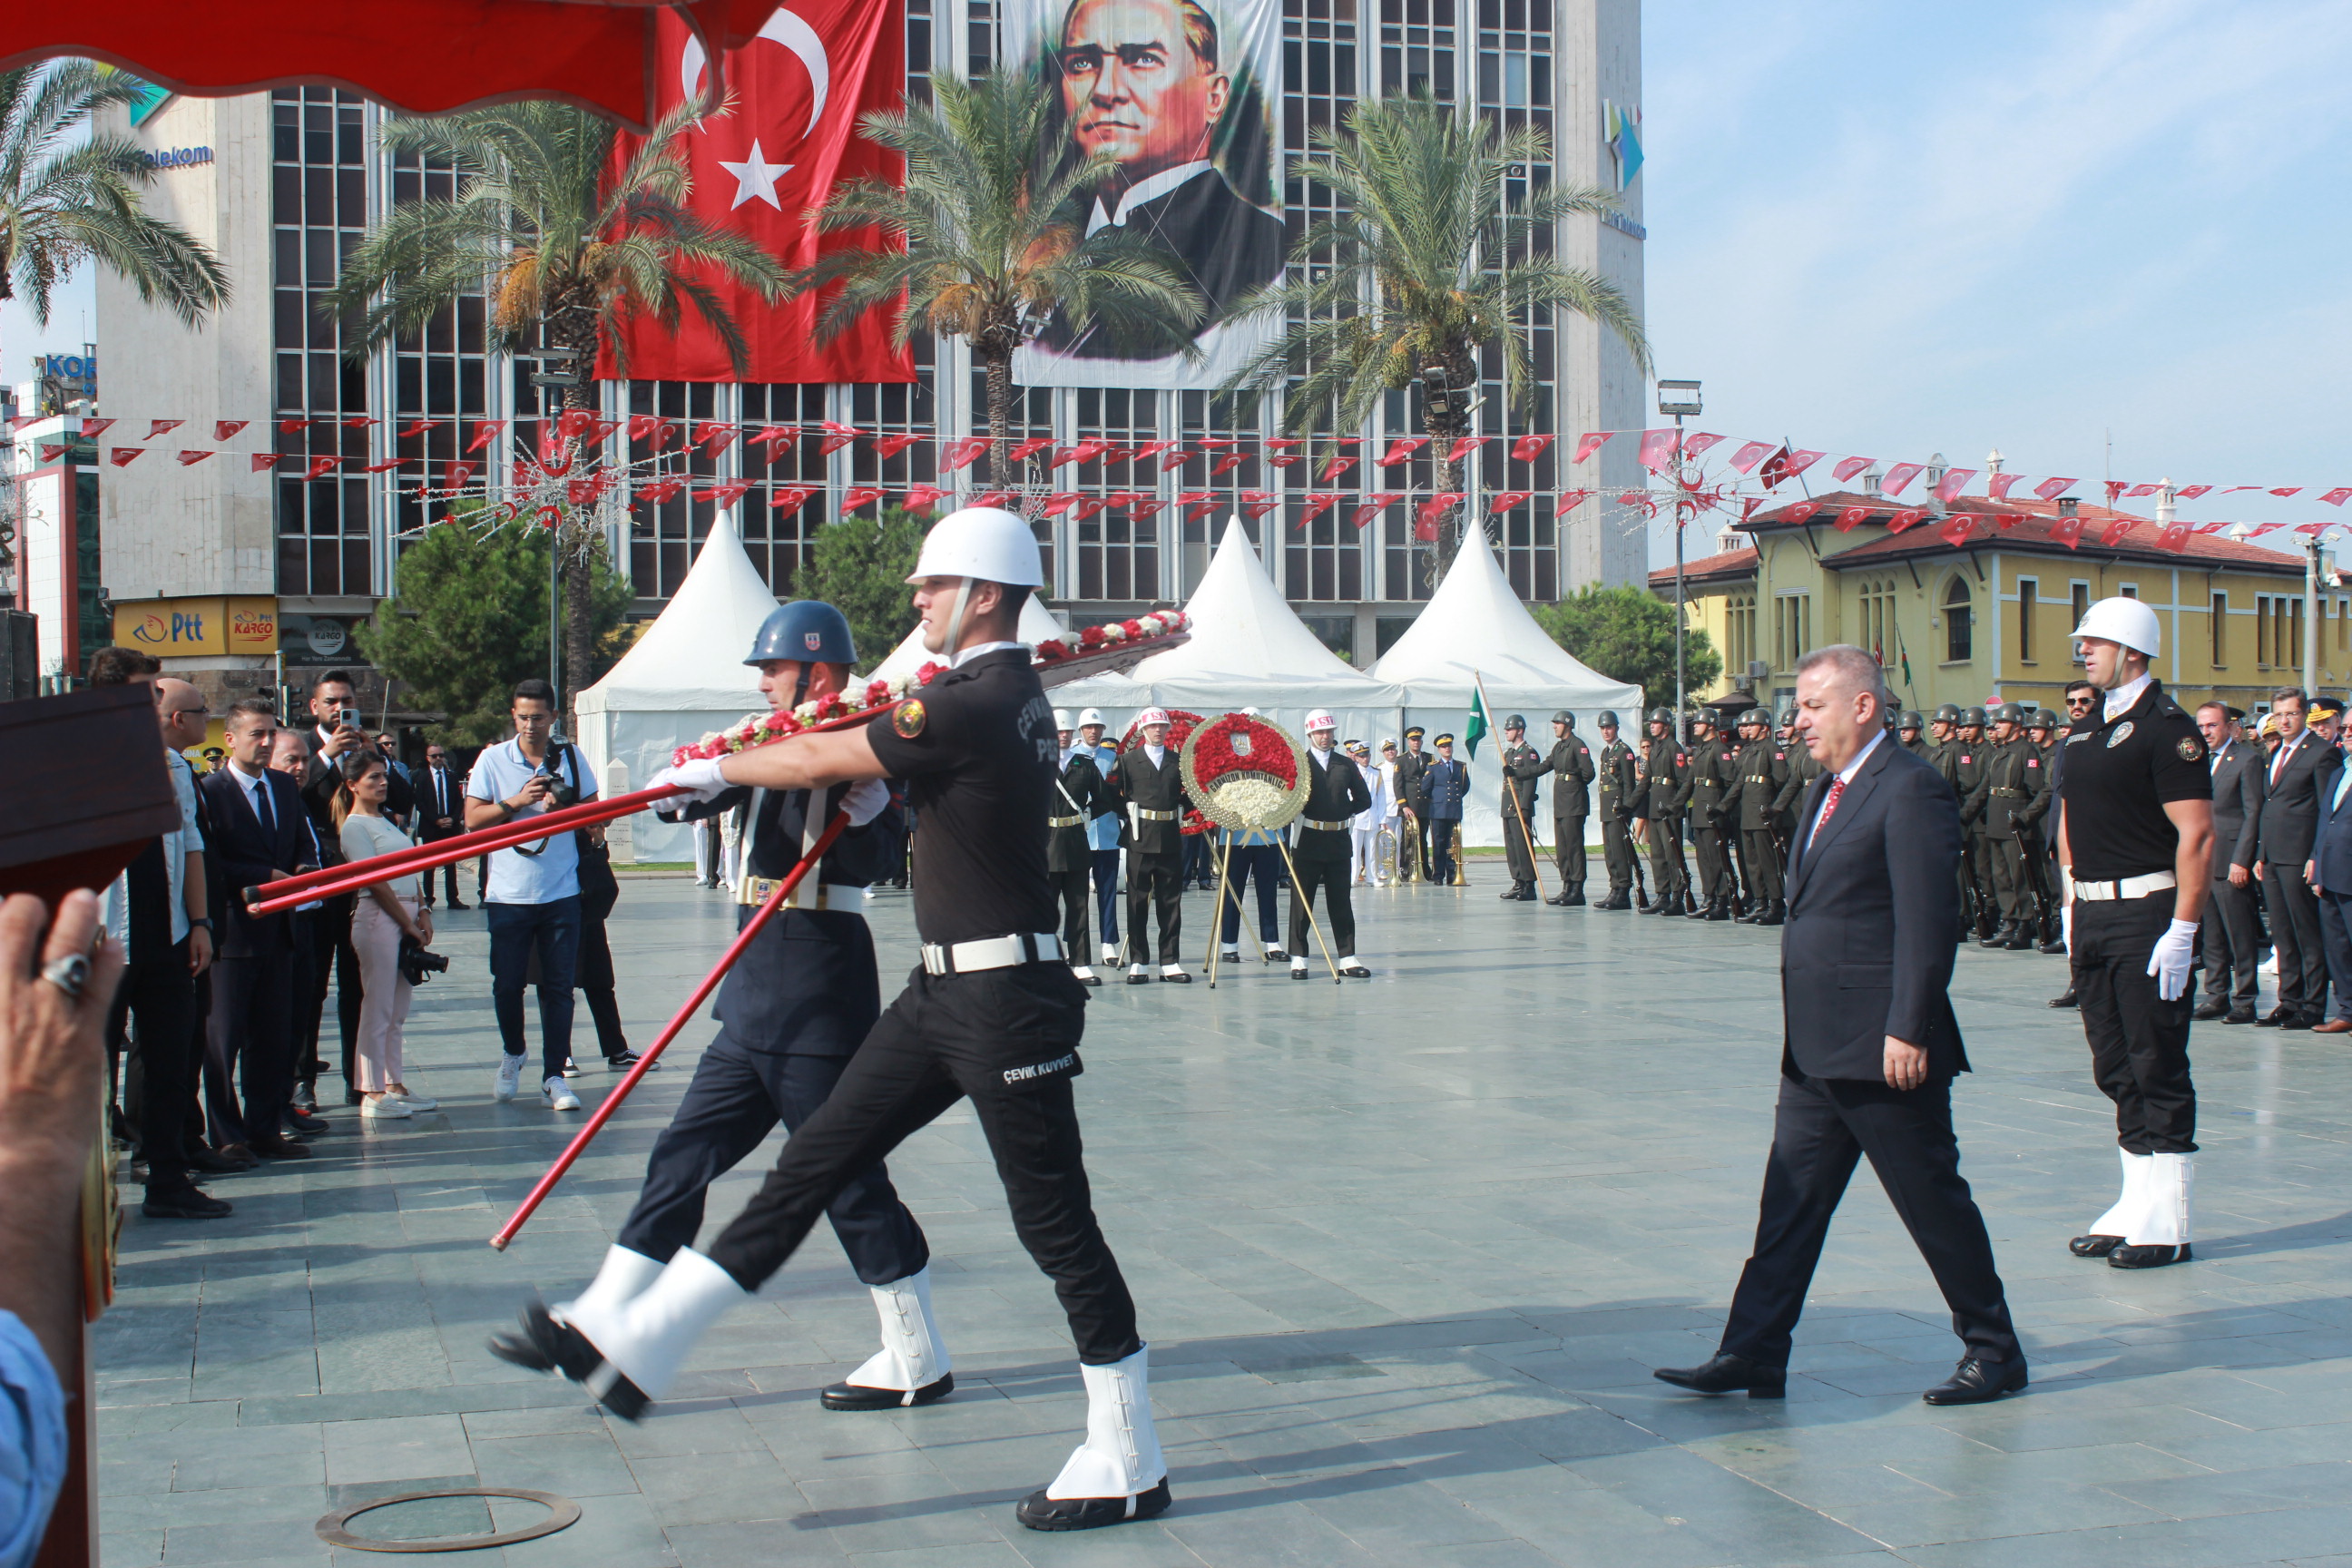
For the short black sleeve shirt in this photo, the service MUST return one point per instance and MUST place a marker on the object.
(978, 749)
(2117, 779)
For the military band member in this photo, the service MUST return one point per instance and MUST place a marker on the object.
(1445, 788)
(1714, 772)
(1413, 837)
(1148, 781)
(1380, 777)
(1335, 792)
(1665, 776)
(1616, 798)
(1572, 773)
(1080, 796)
(1523, 766)
(1763, 771)
(1908, 730)
(792, 1013)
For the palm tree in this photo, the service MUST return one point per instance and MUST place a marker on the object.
(1427, 263)
(65, 198)
(564, 248)
(984, 242)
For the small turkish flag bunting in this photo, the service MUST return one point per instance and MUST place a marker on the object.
(293, 427)
(321, 467)
(1569, 501)
(1424, 520)
(891, 446)
(1212, 442)
(1909, 515)
(791, 497)
(2174, 537)
(1151, 449)
(455, 476)
(1401, 450)
(91, 429)
(225, 428)
(1745, 459)
(1258, 503)
(1849, 518)
(1506, 500)
(357, 421)
(1466, 445)
(643, 425)
(961, 453)
(2313, 529)
(1283, 459)
(2115, 489)
(1956, 531)
(1317, 503)
(1087, 506)
(162, 427)
(1657, 449)
(1900, 476)
(485, 432)
(121, 456)
(415, 427)
(1954, 481)
(713, 434)
(724, 493)
(1527, 449)
(2338, 497)
(1339, 463)
(921, 498)
(2290, 490)
(1030, 448)
(1592, 441)
(1848, 467)
(772, 440)
(1373, 505)
(660, 491)
(2141, 491)
(1998, 486)
(1693, 445)
(2049, 490)
(859, 495)
(1149, 508)
(264, 460)
(1283, 443)
(189, 458)
(1228, 463)
(1803, 511)
(1787, 465)
(835, 427)
(52, 450)
(834, 443)
(2115, 531)
(386, 466)
(2193, 491)
(1060, 503)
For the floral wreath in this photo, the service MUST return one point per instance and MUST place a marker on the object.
(856, 704)
(1246, 772)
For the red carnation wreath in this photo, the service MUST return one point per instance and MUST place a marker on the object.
(1246, 772)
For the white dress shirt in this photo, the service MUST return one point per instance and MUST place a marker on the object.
(1149, 188)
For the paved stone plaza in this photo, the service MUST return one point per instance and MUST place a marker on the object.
(1405, 1253)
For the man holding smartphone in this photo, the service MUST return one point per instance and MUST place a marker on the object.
(333, 734)
(533, 901)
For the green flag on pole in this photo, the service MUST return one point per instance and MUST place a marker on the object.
(1476, 730)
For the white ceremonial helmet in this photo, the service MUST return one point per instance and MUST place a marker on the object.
(1092, 716)
(2125, 621)
(1062, 720)
(985, 543)
(1154, 716)
(1249, 712)
(1320, 720)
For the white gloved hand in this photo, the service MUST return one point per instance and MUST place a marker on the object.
(699, 778)
(2169, 962)
(865, 800)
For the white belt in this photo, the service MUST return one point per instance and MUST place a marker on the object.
(989, 952)
(2129, 888)
(841, 898)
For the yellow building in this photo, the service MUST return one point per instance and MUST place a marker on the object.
(1987, 620)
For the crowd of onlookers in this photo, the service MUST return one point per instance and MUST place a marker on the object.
(215, 1036)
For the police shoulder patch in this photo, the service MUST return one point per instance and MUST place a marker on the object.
(909, 717)
(2190, 748)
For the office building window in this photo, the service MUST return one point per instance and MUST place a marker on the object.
(2080, 606)
(1740, 633)
(1960, 622)
(2220, 631)
(1875, 627)
(2029, 599)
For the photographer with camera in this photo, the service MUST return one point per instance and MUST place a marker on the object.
(533, 900)
(390, 930)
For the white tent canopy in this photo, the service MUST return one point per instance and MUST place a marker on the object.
(684, 677)
(1248, 649)
(1473, 628)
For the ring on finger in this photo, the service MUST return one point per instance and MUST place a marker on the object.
(68, 975)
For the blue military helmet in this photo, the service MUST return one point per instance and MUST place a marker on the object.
(808, 630)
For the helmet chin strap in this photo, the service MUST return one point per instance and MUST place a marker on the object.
(955, 619)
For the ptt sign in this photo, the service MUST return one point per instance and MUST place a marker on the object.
(180, 628)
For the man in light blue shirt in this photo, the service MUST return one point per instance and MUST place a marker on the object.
(532, 903)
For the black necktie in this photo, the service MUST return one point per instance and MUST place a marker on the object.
(261, 807)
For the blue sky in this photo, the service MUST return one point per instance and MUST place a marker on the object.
(1896, 229)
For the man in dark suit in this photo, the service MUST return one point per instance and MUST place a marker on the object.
(1872, 1045)
(440, 814)
(253, 822)
(2300, 774)
(2233, 942)
(1445, 788)
(1413, 767)
(1147, 784)
(2329, 873)
(1335, 792)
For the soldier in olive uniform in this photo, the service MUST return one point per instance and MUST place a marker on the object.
(1908, 730)
(1413, 823)
(1666, 773)
(1964, 764)
(1939, 736)
(2011, 777)
(1616, 798)
(2046, 734)
(1763, 771)
(1714, 772)
(1522, 767)
(1572, 773)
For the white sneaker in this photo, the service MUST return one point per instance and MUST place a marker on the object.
(558, 1095)
(509, 1076)
(381, 1107)
(414, 1101)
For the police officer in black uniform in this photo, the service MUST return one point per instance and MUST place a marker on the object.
(1617, 797)
(1148, 783)
(1666, 773)
(1522, 767)
(1335, 792)
(1763, 770)
(2135, 835)
(792, 1012)
(1080, 795)
(992, 1014)
(1572, 773)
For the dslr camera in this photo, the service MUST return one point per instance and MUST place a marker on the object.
(419, 962)
(560, 793)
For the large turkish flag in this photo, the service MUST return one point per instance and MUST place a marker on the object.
(799, 89)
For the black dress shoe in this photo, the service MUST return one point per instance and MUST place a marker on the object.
(1355, 970)
(1977, 1380)
(1727, 1373)
(856, 1396)
(2299, 1021)
(1775, 915)
(1276, 955)
(1134, 979)
(2068, 1000)
(1300, 971)
(213, 1164)
(2093, 1245)
(547, 1345)
(2210, 1009)
(2022, 941)
(2240, 1015)
(306, 1099)
(2275, 1018)
(2053, 945)
(1180, 977)
(279, 1149)
(1038, 1512)
(455, 905)
(2149, 1257)
(303, 1122)
(232, 1157)
(183, 1203)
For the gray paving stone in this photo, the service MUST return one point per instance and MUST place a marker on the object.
(1406, 1253)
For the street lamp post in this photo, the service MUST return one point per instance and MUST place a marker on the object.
(1680, 399)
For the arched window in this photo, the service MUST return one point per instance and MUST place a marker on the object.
(1959, 621)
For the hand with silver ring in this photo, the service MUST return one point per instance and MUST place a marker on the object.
(69, 974)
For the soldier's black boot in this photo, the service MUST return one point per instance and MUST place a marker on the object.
(1701, 912)
(2054, 934)
(2020, 938)
(1559, 897)
(1719, 910)
(1774, 913)
(1997, 937)
(1618, 899)
(1572, 899)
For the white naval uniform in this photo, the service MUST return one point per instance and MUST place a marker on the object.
(1364, 828)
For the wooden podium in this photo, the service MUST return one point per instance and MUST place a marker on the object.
(85, 790)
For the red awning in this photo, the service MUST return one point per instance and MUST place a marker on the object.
(422, 56)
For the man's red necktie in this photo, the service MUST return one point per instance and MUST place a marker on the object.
(1837, 788)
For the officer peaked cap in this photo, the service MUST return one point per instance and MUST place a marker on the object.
(1444, 739)
(1415, 730)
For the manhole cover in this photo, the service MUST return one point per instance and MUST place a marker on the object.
(335, 1528)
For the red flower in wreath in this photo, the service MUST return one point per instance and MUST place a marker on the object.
(1239, 744)
(1090, 636)
(1132, 629)
(1053, 648)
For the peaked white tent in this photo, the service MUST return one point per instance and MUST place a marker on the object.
(1474, 627)
(1248, 649)
(684, 677)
